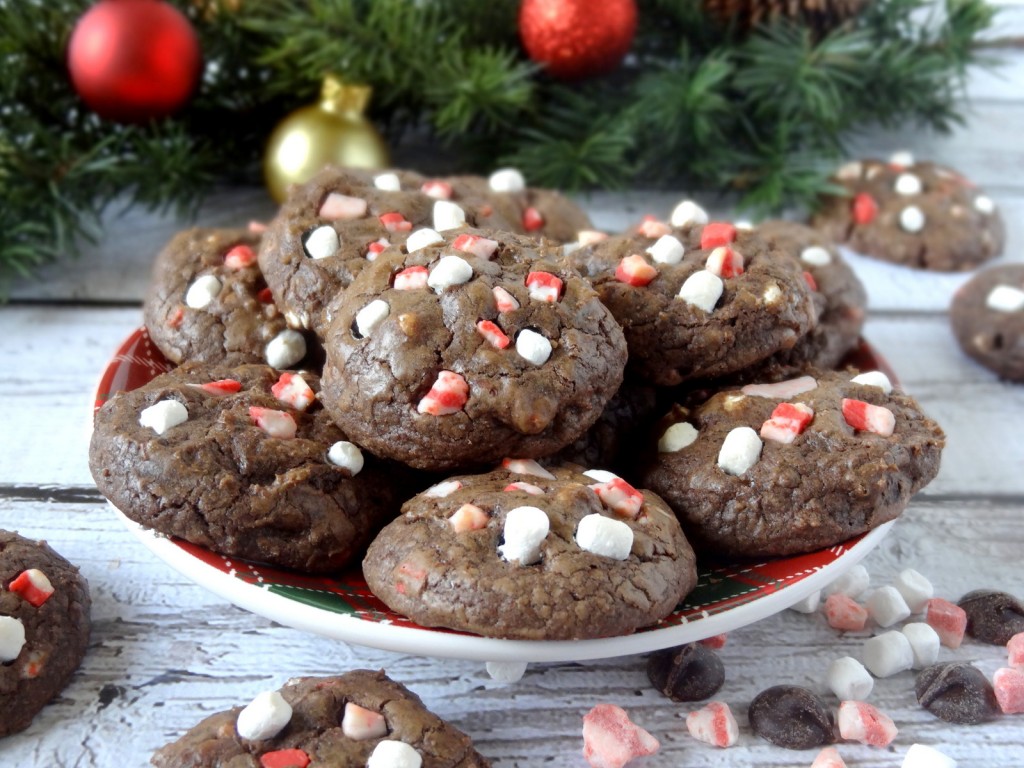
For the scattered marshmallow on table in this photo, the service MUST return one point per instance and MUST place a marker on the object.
(887, 654)
(394, 754)
(713, 724)
(923, 756)
(506, 671)
(264, 717)
(809, 604)
(853, 583)
(886, 606)
(859, 721)
(915, 588)
(948, 619)
(849, 680)
(924, 642)
(611, 739)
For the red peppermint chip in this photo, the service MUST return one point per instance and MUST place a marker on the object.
(634, 270)
(504, 300)
(374, 249)
(291, 389)
(222, 387)
(859, 721)
(174, 321)
(864, 208)
(411, 278)
(811, 282)
(868, 418)
(494, 335)
(787, 421)
(32, 586)
(447, 396)
(274, 423)
(544, 286)
(724, 262)
(468, 517)
(611, 739)
(532, 219)
(715, 642)
(482, 247)
(239, 257)
(717, 233)
(439, 190)
(948, 620)
(620, 497)
(265, 296)
(395, 222)
(284, 758)
(843, 613)
(338, 207)
(653, 228)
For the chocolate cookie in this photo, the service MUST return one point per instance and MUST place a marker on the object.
(795, 466)
(529, 553)
(467, 350)
(208, 303)
(243, 461)
(988, 319)
(698, 301)
(358, 719)
(44, 627)
(920, 215)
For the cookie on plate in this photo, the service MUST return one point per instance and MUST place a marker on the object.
(244, 461)
(530, 553)
(357, 719)
(698, 301)
(44, 627)
(794, 466)
(988, 319)
(918, 214)
(208, 303)
(467, 349)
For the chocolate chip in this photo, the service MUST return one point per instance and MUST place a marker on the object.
(792, 717)
(957, 693)
(688, 673)
(992, 617)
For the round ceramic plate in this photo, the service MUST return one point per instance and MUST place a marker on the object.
(727, 596)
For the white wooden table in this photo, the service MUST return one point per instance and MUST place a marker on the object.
(166, 653)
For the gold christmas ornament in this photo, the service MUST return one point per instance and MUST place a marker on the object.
(334, 131)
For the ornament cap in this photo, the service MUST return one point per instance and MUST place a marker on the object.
(340, 97)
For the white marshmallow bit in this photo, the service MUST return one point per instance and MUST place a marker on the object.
(370, 316)
(533, 347)
(772, 294)
(163, 415)
(605, 536)
(601, 475)
(285, 349)
(677, 437)
(850, 171)
(887, 654)
(448, 215)
(912, 219)
(688, 212)
(853, 583)
(506, 180)
(783, 390)
(809, 604)
(204, 290)
(915, 588)
(740, 451)
(849, 680)
(525, 530)
(667, 250)
(421, 238)
(389, 182)
(347, 456)
(702, 289)
(12, 638)
(359, 723)
(816, 256)
(886, 606)
(902, 158)
(394, 754)
(322, 242)
(907, 184)
(442, 489)
(265, 716)
(924, 643)
(923, 756)
(1005, 298)
(449, 271)
(984, 204)
(506, 671)
(874, 379)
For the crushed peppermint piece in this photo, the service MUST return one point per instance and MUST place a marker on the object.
(544, 286)
(620, 497)
(321, 243)
(1005, 298)
(286, 349)
(1008, 684)
(376, 248)
(604, 536)
(240, 257)
(360, 724)
(724, 262)
(32, 586)
(347, 456)
(506, 671)
(264, 717)
(530, 488)
(394, 754)
(468, 517)
(688, 212)
(370, 316)
(716, 234)
(948, 620)
(863, 208)
(493, 334)
(448, 215)
(634, 270)
(829, 757)
(907, 184)
(859, 721)
(506, 180)
(442, 489)
(437, 189)
(983, 204)
(702, 289)
(449, 271)
(912, 219)
(163, 415)
(714, 724)
(265, 296)
(447, 395)
(176, 317)
(504, 300)
(291, 389)
(740, 451)
(12, 638)
(843, 613)
(816, 256)
(274, 423)
(1015, 651)
(811, 282)
(652, 227)
(677, 437)
(787, 421)
(667, 250)
(868, 418)
(221, 387)
(874, 379)
(611, 739)
(783, 390)
(204, 290)
(338, 207)
(475, 245)
(394, 222)
(284, 758)
(525, 530)
(388, 182)
(410, 279)
(533, 347)
(421, 238)
(532, 219)
(526, 467)
(590, 236)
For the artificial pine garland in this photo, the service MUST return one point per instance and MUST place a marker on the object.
(763, 112)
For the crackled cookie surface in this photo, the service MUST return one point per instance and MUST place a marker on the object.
(794, 466)
(531, 553)
(468, 349)
(242, 460)
(357, 719)
(988, 319)
(917, 214)
(44, 627)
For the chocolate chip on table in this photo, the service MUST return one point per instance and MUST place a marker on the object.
(687, 673)
(957, 693)
(992, 617)
(792, 717)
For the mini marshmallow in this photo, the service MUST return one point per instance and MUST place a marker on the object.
(853, 583)
(163, 415)
(849, 680)
(907, 184)
(1008, 685)
(506, 180)
(702, 289)
(204, 290)
(12, 638)
(322, 242)
(285, 349)
(389, 182)
(809, 604)
(394, 754)
(948, 619)
(887, 654)
(849, 171)
(915, 588)
(859, 721)
(421, 238)
(924, 642)
(347, 456)
(829, 757)
(713, 724)
(506, 671)
(677, 437)
(923, 756)
(611, 739)
(912, 219)
(667, 250)
(448, 215)
(688, 212)
(370, 316)
(983, 204)
(449, 271)
(902, 158)
(886, 606)
(740, 451)
(442, 489)
(1015, 651)
(533, 347)
(874, 379)
(264, 717)
(524, 532)
(604, 536)
(1005, 298)
(359, 723)
(816, 256)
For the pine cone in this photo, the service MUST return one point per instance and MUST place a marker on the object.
(822, 16)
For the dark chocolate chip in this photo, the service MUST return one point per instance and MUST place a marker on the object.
(957, 693)
(792, 717)
(992, 617)
(688, 673)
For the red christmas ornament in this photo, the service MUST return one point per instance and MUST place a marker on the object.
(134, 60)
(577, 38)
